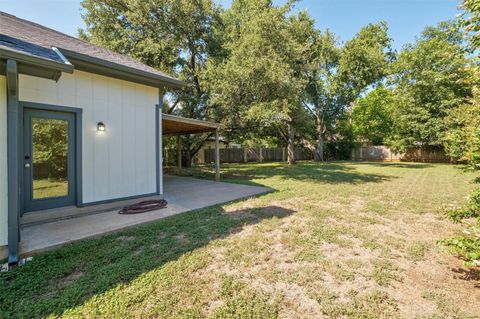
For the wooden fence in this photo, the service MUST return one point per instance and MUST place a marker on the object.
(279, 154)
(257, 154)
(384, 153)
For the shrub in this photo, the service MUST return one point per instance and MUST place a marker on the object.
(470, 210)
(468, 245)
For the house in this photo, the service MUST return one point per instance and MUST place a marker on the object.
(79, 125)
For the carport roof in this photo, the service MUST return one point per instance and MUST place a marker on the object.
(176, 125)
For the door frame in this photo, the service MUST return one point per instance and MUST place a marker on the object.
(68, 199)
(77, 112)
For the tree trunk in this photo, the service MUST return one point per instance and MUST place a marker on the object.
(350, 121)
(187, 158)
(318, 156)
(291, 144)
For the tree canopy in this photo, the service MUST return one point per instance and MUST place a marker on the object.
(372, 116)
(431, 77)
(271, 76)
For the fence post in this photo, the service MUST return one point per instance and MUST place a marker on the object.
(260, 156)
(245, 155)
(283, 155)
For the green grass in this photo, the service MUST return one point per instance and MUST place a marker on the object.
(43, 188)
(341, 240)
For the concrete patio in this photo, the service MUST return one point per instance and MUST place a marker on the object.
(182, 193)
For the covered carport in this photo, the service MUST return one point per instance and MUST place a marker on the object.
(176, 125)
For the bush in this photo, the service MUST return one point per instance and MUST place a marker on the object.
(468, 245)
(470, 210)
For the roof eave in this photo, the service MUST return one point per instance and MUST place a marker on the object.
(190, 121)
(35, 61)
(107, 68)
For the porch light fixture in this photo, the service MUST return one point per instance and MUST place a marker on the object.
(100, 126)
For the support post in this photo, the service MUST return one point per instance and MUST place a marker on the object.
(217, 155)
(13, 153)
(245, 155)
(179, 155)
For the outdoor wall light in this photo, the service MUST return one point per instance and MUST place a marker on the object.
(100, 126)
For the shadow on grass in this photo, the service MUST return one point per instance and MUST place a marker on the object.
(326, 173)
(469, 274)
(65, 278)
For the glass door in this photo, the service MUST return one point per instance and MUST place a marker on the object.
(49, 159)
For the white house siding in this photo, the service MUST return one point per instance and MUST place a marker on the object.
(121, 161)
(3, 162)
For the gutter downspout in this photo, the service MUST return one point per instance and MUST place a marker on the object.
(12, 162)
(159, 142)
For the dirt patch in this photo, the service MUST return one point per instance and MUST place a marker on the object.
(70, 278)
(181, 237)
(138, 251)
(126, 238)
(394, 255)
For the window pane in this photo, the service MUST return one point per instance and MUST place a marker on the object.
(49, 158)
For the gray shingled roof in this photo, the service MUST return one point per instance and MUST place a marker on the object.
(35, 37)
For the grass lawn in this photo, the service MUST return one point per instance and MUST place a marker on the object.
(339, 240)
(44, 188)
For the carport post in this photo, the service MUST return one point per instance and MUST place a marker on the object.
(179, 155)
(217, 156)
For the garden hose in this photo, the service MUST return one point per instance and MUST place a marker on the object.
(143, 207)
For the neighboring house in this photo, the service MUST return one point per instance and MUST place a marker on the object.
(79, 124)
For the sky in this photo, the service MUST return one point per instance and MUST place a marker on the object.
(405, 18)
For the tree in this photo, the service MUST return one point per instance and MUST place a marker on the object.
(470, 20)
(256, 83)
(462, 139)
(174, 36)
(50, 148)
(431, 77)
(320, 92)
(338, 76)
(372, 118)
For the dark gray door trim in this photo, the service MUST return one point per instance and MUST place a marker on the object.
(78, 143)
(13, 153)
(31, 204)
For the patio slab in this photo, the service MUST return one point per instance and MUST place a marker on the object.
(182, 193)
